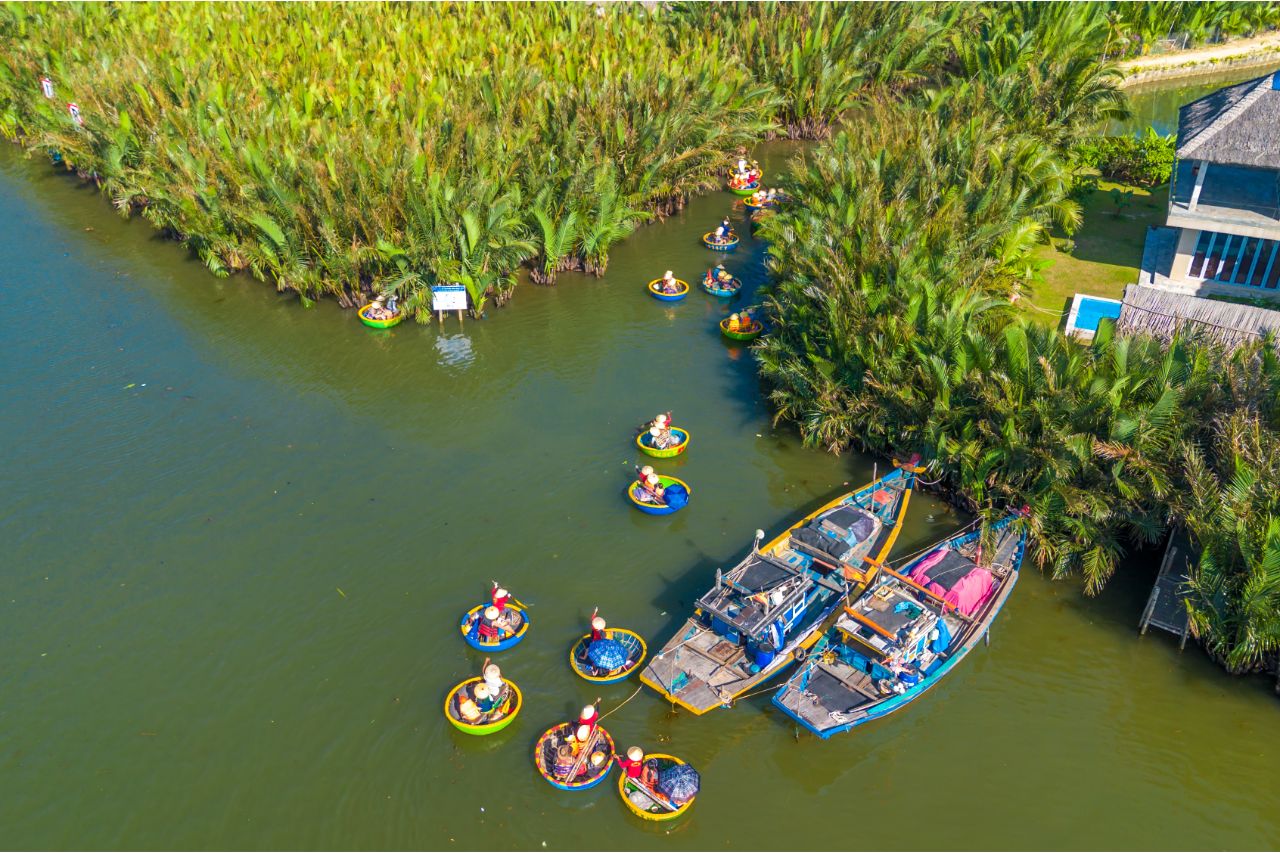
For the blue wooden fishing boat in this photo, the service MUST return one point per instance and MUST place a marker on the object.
(510, 632)
(767, 610)
(906, 632)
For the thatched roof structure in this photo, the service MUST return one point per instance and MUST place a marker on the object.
(1161, 313)
(1238, 125)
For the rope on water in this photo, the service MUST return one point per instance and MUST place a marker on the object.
(625, 701)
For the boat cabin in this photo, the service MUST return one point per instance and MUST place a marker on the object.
(761, 601)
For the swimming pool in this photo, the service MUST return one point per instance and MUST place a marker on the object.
(1087, 311)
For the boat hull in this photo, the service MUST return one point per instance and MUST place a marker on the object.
(801, 640)
(749, 189)
(663, 452)
(652, 508)
(897, 702)
(724, 292)
(378, 324)
(634, 642)
(726, 246)
(657, 811)
(553, 779)
(749, 334)
(501, 645)
(482, 729)
(655, 291)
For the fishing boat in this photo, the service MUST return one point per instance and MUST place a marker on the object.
(768, 610)
(675, 501)
(486, 724)
(907, 631)
(571, 769)
(612, 659)
(379, 324)
(650, 803)
(655, 290)
(748, 334)
(516, 626)
(709, 240)
(644, 441)
(752, 206)
(735, 285)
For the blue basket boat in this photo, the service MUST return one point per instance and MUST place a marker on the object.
(519, 626)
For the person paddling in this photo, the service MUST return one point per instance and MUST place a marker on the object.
(633, 767)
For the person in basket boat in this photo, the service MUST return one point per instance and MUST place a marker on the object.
(634, 767)
(660, 433)
(383, 308)
(500, 598)
(492, 625)
(735, 323)
(723, 234)
(669, 283)
(771, 198)
(652, 490)
(492, 676)
(587, 720)
(568, 753)
(759, 197)
(642, 474)
(598, 626)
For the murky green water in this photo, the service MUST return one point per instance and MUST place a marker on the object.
(238, 535)
(1156, 104)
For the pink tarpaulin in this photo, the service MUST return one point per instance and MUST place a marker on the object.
(920, 574)
(969, 592)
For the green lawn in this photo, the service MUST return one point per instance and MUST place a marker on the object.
(1107, 253)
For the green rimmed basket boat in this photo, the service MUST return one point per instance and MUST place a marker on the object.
(752, 332)
(508, 709)
(379, 324)
(643, 439)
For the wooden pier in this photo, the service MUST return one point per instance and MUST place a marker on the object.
(1167, 606)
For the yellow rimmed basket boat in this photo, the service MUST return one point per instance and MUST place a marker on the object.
(711, 243)
(495, 721)
(632, 644)
(645, 802)
(570, 772)
(378, 324)
(644, 441)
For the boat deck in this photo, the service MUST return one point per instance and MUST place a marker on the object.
(700, 665)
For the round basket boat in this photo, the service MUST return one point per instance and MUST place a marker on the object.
(644, 441)
(655, 290)
(723, 291)
(709, 241)
(506, 641)
(554, 767)
(749, 189)
(378, 324)
(656, 806)
(629, 640)
(494, 721)
(750, 205)
(751, 333)
(655, 508)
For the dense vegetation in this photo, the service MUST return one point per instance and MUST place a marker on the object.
(1145, 160)
(340, 150)
(894, 332)
(1135, 25)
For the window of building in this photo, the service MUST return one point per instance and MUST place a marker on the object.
(1230, 259)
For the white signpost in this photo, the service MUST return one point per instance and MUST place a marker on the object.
(448, 297)
(75, 114)
(46, 86)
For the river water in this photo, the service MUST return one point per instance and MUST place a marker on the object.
(239, 534)
(1156, 104)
